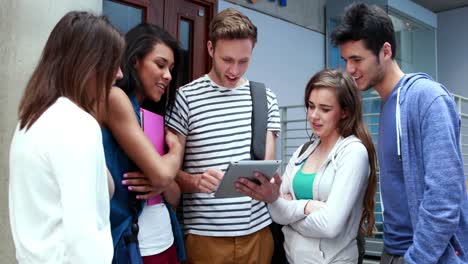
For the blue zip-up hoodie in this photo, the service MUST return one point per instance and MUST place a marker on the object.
(428, 129)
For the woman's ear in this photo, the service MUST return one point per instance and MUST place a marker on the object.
(344, 113)
(136, 63)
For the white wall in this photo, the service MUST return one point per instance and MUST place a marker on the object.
(24, 28)
(304, 13)
(285, 57)
(452, 50)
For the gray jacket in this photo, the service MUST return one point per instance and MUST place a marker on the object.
(329, 234)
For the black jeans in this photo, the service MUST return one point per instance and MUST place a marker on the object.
(361, 245)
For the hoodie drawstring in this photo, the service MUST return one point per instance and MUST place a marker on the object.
(398, 124)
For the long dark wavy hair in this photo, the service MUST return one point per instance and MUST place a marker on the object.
(349, 98)
(140, 42)
(79, 61)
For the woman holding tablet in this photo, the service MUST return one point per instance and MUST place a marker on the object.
(327, 191)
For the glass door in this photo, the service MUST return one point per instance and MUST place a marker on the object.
(416, 44)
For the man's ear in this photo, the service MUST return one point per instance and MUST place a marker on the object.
(210, 47)
(387, 50)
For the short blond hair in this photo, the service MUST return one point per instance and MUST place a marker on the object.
(232, 24)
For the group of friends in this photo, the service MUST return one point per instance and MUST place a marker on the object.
(87, 185)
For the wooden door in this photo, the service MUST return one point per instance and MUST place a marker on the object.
(189, 21)
(186, 20)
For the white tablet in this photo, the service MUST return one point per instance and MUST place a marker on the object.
(244, 168)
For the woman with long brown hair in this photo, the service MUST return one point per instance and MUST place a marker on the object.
(59, 191)
(327, 191)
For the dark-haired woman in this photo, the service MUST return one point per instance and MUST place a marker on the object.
(149, 67)
(59, 193)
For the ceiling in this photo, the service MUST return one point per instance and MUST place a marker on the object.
(441, 5)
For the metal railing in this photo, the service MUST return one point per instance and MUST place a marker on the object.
(295, 131)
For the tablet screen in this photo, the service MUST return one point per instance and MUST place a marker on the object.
(244, 168)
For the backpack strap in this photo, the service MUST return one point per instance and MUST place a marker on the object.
(135, 209)
(305, 147)
(259, 120)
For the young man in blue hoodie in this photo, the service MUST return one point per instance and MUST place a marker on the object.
(421, 167)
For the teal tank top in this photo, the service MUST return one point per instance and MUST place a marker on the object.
(302, 184)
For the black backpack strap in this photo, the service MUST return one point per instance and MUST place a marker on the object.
(305, 147)
(259, 120)
(135, 209)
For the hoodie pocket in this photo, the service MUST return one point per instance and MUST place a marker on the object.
(458, 250)
(321, 249)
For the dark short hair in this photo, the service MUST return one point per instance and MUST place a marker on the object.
(365, 22)
(79, 61)
(140, 41)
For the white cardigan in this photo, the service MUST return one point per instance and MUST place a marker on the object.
(329, 234)
(58, 194)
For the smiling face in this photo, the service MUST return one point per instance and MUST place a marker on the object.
(154, 71)
(230, 61)
(362, 64)
(324, 112)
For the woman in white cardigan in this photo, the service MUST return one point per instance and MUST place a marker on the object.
(327, 192)
(58, 186)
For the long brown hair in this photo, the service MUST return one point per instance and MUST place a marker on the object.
(349, 98)
(79, 61)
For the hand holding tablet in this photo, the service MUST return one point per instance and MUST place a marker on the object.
(246, 169)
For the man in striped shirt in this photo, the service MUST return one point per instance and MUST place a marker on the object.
(213, 118)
